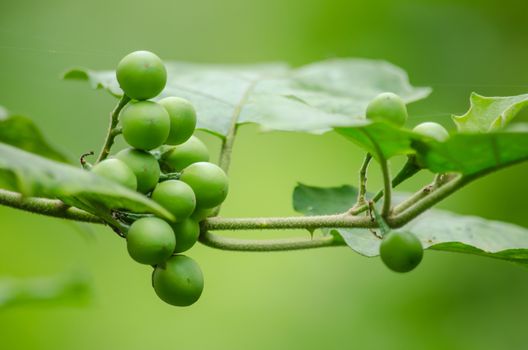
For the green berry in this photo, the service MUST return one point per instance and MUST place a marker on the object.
(401, 251)
(387, 107)
(146, 124)
(175, 196)
(141, 75)
(208, 181)
(202, 213)
(433, 130)
(144, 165)
(187, 233)
(178, 281)
(150, 241)
(117, 171)
(182, 119)
(179, 157)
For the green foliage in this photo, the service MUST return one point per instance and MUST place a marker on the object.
(312, 98)
(19, 131)
(40, 177)
(117, 171)
(436, 229)
(490, 113)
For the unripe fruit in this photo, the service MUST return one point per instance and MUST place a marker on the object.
(141, 75)
(433, 130)
(181, 156)
(146, 124)
(182, 119)
(387, 107)
(150, 241)
(401, 251)
(117, 171)
(209, 183)
(202, 213)
(175, 196)
(187, 233)
(144, 165)
(178, 281)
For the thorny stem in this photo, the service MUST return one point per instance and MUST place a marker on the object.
(113, 131)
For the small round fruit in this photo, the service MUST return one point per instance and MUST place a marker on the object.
(181, 156)
(150, 241)
(209, 183)
(401, 251)
(144, 165)
(182, 119)
(141, 75)
(175, 196)
(117, 171)
(146, 124)
(433, 130)
(202, 213)
(178, 281)
(387, 107)
(187, 233)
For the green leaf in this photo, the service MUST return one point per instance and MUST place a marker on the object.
(382, 140)
(19, 131)
(490, 113)
(475, 153)
(65, 288)
(313, 98)
(40, 177)
(436, 229)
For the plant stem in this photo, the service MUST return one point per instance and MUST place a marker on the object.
(113, 131)
(49, 207)
(409, 169)
(421, 201)
(293, 222)
(363, 181)
(227, 143)
(252, 245)
(387, 188)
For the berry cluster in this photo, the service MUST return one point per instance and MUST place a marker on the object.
(401, 251)
(170, 165)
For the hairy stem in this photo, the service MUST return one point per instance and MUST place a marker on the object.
(421, 201)
(363, 182)
(252, 245)
(113, 131)
(49, 207)
(294, 222)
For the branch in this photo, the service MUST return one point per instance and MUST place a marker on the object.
(252, 245)
(113, 131)
(49, 207)
(362, 183)
(293, 222)
(425, 199)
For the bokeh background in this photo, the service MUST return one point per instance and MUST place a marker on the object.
(320, 299)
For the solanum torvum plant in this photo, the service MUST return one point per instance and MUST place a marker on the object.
(163, 193)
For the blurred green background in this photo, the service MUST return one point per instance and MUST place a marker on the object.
(320, 299)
